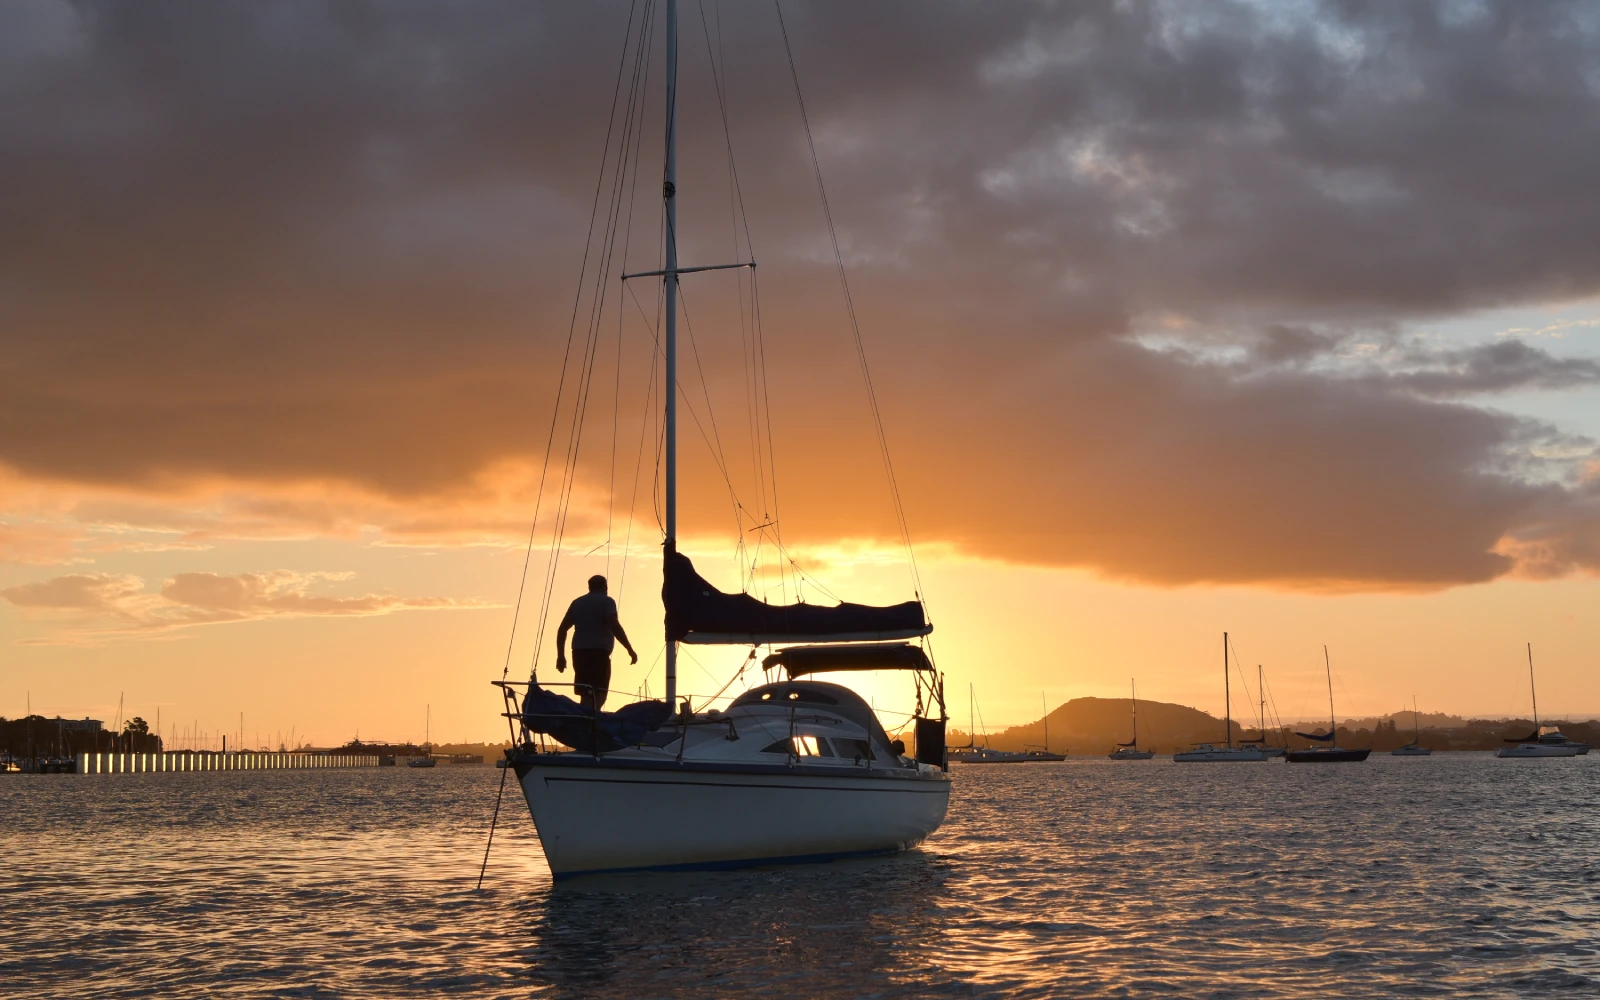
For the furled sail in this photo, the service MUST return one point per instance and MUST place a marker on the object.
(799, 660)
(1532, 737)
(1319, 737)
(1130, 743)
(697, 612)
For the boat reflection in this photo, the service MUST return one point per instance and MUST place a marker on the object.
(847, 928)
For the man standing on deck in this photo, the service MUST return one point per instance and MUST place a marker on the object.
(593, 621)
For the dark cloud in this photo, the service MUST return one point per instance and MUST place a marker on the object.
(1503, 367)
(338, 242)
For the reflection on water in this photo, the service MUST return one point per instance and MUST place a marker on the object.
(1455, 875)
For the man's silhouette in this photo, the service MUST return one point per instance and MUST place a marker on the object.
(593, 621)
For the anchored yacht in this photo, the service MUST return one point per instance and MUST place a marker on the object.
(794, 769)
(1210, 752)
(1544, 741)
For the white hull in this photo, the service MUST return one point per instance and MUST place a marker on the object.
(1537, 750)
(606, 817)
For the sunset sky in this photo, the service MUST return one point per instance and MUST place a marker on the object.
(1274, 318)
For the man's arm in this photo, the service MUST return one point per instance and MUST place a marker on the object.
(622, 637)
(561, 641)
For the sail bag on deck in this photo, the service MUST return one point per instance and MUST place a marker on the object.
(697, 612)
(592, 732)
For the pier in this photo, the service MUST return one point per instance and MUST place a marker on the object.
(185, 760)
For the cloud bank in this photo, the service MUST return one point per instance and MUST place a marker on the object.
(1135, 278)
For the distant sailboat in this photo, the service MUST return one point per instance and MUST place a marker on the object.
(1415, 747)
(427, 744)
(1260, 743)
(1329, 754)
(1544, 741)
(1209, 752)
(1043, 753)
(1130, 750)
(974, 754)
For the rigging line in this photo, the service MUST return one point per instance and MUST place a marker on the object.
(764, 399)
(585, 380)
(638, 461)
(855, 327)
(572, 327)
(738, 216)
(711, 415)
(616, 400)
(688, 404)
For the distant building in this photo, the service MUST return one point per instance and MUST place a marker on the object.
(86, 725)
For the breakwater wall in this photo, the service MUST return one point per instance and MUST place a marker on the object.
(131, 763)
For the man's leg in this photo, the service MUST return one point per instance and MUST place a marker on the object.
(592, 667)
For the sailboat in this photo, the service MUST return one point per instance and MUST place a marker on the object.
(1329, 754)
(1260, 742)
(1210, 752)
(1130, 750)
(974, 754)
(1415, 747)
(792, 770)
(1043, 753)
(1544, 741)
(427, 744)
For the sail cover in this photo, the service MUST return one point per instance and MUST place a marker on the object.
(697, 612)
(1532, 737)
(559, 716)
(1319, 737)
(870, 656)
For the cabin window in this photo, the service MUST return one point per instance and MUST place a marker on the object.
(858, 749)
(802, 746)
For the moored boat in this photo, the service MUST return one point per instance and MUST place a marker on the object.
(1130, 750)
(1329, 754)
(792, 770)
(1205, 753)
(1544, 741)
(1415, 747)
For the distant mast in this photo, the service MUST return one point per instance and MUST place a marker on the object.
(1327, 664)
(1533, 690)
(1133, 703)
(1227, 694)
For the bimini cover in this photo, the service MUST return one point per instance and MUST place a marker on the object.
(868, 656)
(559, 716)
(697, 612)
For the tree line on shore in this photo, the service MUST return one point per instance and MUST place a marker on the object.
(37, 736)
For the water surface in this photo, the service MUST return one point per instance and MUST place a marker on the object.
(1458, 875)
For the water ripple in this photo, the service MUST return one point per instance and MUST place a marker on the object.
(1457, 875)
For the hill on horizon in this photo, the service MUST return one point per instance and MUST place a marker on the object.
(1092, 725)
(1095, 725)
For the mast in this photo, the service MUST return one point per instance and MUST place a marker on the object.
(1261, 712)
(1227, 694)
(669, 191)
(1133, 703)
(1416, 721)
(1534, 690)
(1045, 707)
(1328, 666)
